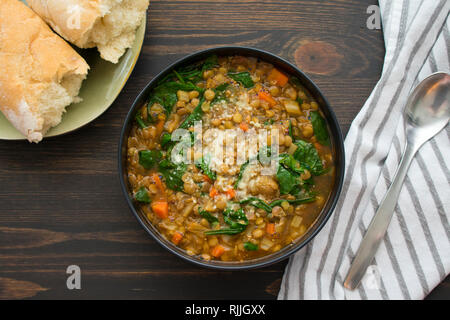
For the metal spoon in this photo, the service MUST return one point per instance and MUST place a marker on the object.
(427, 113)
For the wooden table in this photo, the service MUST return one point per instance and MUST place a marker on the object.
(60, 200)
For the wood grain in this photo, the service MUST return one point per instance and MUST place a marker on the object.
(60, 200)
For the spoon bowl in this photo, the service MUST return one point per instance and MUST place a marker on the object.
(426, 114)
(428, 111)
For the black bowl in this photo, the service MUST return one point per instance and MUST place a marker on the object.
(337, 144)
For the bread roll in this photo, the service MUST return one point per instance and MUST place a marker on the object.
(40, 73)
(109, 25)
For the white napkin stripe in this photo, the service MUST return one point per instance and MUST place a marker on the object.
(303, 270)
(388, 118)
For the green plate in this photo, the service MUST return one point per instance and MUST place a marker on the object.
(101, 87)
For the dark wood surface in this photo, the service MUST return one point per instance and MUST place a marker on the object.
(60, 200)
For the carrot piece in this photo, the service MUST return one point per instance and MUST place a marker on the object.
(213, 192)
(159, 127)
(243, 126)
(270, 228)
(161, 209)
(217, 251)
(206, 178)
(267, 97)
(317, 146)
(231, 193)
(280, 78)
(176, 238)
(158, 182)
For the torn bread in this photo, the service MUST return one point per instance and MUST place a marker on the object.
(40, 73)
(109, 25)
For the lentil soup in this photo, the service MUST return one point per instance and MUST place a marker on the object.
(230, 210)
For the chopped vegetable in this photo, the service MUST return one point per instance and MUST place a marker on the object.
(258, 203)
(320, 128)
(166, 139)
(267, 97)
(196, 115)
(292, 107)
(270, 228)
(161, 208)
(172, 174)
(250, 246)
(242, 77)
(243, 126)
(208, 216)
(296, 221)
(142, 195)
(278, 77)
(176, 238)
(160, 127)
(308, 156)
(158, 182)
(237, 220)
(217, 251)
(231, 193)
(149, 158)
(213, 192)
(204, 165)
(307, 199)
(141, 121)
(241, 173)
(220, 93)
(287, 180)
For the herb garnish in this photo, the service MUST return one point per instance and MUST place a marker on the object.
(320, 128)
(142, 195)
(148, 158)
(242, 77)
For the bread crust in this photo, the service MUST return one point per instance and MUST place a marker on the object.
(78, 21)
(32, 59)
(71, 19)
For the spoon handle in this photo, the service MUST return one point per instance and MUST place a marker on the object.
(379, 224)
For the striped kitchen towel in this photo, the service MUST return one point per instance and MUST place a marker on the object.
(415, 254)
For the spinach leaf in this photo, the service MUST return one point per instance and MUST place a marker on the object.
(287, 180)
(210, 62)
(142, 195)
(220, 93)
(166, 139)
(257, 203)
(241, 173)
(148, 158)
(204, 166)
(194, 72)
(228, 231)
(250, 246)
(237, 220)
(208, 216)
(196, 115)
(141, 121)
(308, 157)
(242, 77)
(166, 94)
(268, 122)
(295, 81)
(294, 202)
(172, 174)
(320, 128)
(289, 162)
